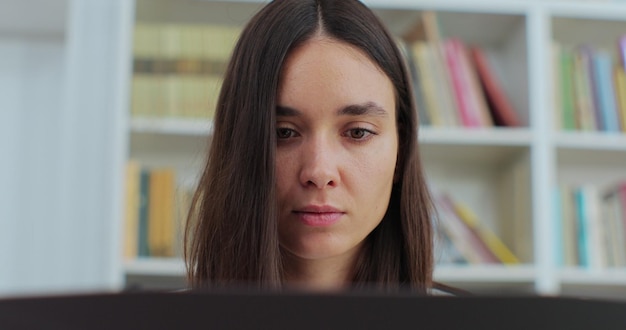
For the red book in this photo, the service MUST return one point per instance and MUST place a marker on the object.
(460, 86)
(501, 108)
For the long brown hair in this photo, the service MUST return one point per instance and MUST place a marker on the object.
(231, 235)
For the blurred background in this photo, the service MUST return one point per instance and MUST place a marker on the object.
(105, 116)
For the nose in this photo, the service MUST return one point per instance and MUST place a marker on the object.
(319, 164)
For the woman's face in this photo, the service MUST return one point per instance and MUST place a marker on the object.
(337, 150)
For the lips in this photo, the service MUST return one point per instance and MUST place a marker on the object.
(318, 216)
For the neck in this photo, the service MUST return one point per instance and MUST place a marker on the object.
(332, 274)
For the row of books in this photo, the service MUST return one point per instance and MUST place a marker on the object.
(455, 84)
(156, 210)
(590, 88)
(591, 226)
(178, 68)
(174, 96)
(174, 41)
(462, 238)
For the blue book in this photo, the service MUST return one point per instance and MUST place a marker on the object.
(603, 74)
(144, 191)
(581, 213)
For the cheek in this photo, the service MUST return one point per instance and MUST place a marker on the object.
(284, 173)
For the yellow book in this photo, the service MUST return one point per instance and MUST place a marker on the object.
(161, 223)
(154, 213)
(422, 53)
(169, 212)
(620, 90)
(493, 242)
(131, 218)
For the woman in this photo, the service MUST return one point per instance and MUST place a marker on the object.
(313, 178)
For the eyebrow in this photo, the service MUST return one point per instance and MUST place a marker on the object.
(364, 109)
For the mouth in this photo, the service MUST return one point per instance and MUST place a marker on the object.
(318, 216)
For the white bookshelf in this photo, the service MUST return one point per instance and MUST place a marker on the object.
(480, 166)
(506, 175)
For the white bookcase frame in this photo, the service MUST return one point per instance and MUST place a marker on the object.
(550, 156)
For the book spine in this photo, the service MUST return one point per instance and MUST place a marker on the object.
(557, 87)
(591, 89)
(422, 52)
(459, 233)
(495, 248)
(474, 92)
(144, 189)
(567, 93)
(459, 87)
(620, 91)
(131, 221)
(583, 103)
(596, 242)
(502, 111)
(582, 234)
(621, 49)
(418, 89)
(443, 82)
(606, 90)
(570, 227)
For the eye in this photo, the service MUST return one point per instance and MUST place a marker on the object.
(285, 133)
(359, 133)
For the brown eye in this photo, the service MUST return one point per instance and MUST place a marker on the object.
(284, 133)
(358, 133)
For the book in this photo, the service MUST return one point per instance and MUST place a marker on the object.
(470, 246)
(486, 235)
(161, 228)
(131, 209)
(446, 252)
(143, 248)
(619, 76)
(568, 116)
(502, 110)
(614, 228)
(184, 195)
(178, 68)
(603, 73)
(596, 248)
(474, 90)
(621, 49)
(416, 77)
(460, 85)
(569, 226)
(422, 58)
(585, 53)
(441, 74)
(557, 95)
(584, 107)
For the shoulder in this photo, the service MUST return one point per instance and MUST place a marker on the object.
(439, 289)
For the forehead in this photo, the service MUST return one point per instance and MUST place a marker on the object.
(327, 52)
(325, 70)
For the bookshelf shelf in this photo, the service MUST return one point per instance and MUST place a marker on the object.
(588, 11)
(599, 141)
(171, 126)
(485, 136)
(174, 267)
(593, 277)
(488, 279)
(524, 274)
(607, 283)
